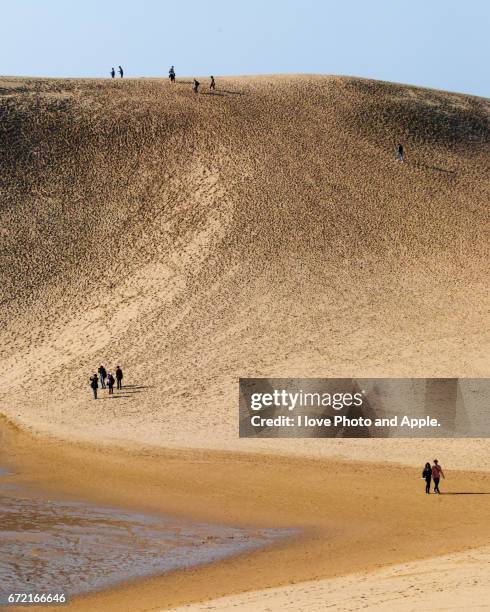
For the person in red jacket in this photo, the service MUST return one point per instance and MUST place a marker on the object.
(436, 475)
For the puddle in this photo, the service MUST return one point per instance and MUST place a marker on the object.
(75, 547)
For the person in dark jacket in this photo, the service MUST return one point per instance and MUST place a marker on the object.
(119, 377)
(213, 83)
(94, 384)
(195, 87)
(113, 72)
(427, 474)
(171, 74)
(102, 375)
(121, 72)
(400, 154)
(110, 383)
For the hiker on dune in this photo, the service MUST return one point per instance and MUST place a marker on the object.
(171, 74)
(195, 87)
(103, 376)
(213, 84)
(121, 72)
(400, 155)
(113, 72)
(94, 384)
(119, 377)
(436, 475)
(427, 475)
(110, 383)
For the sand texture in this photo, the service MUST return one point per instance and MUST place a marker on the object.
(265, 230)
(453, 582)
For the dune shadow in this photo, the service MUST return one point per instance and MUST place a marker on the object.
(212, 93)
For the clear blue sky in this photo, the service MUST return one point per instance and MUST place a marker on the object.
(433, 43)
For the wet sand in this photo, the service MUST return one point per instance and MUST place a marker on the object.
(355, 517)
(70, 548)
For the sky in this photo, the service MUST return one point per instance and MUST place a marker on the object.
(441, 44)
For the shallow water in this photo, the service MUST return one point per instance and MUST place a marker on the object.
(75, 547)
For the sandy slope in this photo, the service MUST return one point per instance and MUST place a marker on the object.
(264, 230)
(453, 582)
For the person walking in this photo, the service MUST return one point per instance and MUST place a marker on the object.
(110, 383)
(196, 86)
(113, 72)
(427, 474)
(119, 377)
(171, 74)
(102, 375)
(436, 475)
(400, 154)
(94, 384)
(121, 72)
(212, 86)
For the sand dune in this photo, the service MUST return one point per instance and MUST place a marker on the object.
(265, 230)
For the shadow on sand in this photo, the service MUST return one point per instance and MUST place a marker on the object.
(466, 493)
(233, 93)
(127, 387)
(114, 396)
(427, 167)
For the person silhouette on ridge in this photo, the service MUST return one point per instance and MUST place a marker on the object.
(171, 74)
(213, 84)
(113, 72)
(121, 72)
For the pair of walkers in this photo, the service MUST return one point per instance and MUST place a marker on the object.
(107, 380)
(433, 472)
(196, 85)
(120, 70)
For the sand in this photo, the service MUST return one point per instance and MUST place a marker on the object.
(453, 582)
(262, 231)
(354, 517)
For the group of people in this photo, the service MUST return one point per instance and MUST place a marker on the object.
(107, 380)
(195, 84)
(433, 472)
(119, 69)
(171, 76)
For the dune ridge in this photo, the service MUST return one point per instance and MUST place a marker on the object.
(265, 230)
